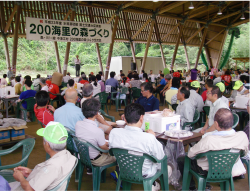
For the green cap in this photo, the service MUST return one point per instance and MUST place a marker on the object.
(195, 84)
(237, 85)
(221, 86)
(53, 132)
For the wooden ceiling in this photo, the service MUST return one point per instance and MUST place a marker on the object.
(135, 18)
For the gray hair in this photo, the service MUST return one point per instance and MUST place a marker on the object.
(57, 147)
(43, 81)
(87, 90)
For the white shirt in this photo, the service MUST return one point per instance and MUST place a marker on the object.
(45, 88)
(77, 61)
(218, 104)
(134, 139)
(4, 82)
(196, 100)
(13, 83)
(127, 85)
(223, 98)
(36, 84)
(217, 80)
(96, 89)
(66, 78)
(152, 76)
(186, 110)
(117, 77)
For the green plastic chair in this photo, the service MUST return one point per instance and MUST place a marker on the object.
(206, 109)
(28, 145)
(64, 84)
(58, 99)
(195, 119)
(103, 98)
(67, 178)
(247, 163)
(42, 124)
(174, 106)
(236, 120)
(130, 164)
(112, 118)
(30, 108)
(135, 93)
(220, 169)
(118, 100)
(99, 173)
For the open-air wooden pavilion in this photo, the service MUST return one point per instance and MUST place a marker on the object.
(241, 59)
(204, 24)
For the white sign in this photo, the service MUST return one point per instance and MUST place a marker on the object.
(67, 31)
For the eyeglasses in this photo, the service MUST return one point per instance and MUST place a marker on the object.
(209, 93)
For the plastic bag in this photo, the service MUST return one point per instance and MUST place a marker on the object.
(14, 122)
(174, 150)
(4, 124)
(238, 169)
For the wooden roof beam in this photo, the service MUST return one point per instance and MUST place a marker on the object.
(191, 37)
(67, 15)
(215, 36)
(226, 16)
(163, 38)
(241, 22)
(201, 12)
(143, 26)
(10, 19)
(171, 6)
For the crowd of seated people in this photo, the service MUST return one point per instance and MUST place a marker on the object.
(88, 124)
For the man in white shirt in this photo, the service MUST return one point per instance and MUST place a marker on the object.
(77, 65)
(223, 98)
(118, 76)
(133, 138)
(214, 95)
(66, 78)
(185, 109)
(236, 75)
(195, 98)
(152, 76)
(239, 89)
(44, 85)
(4, 81)
(36, 82)
(224, 138)
(218, 78)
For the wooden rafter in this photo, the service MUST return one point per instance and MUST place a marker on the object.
(171, 6)
(143, 26)
(191, 37)
(201, 46)
(10, 19)
(163, 38)
(215, 36)
(176, 46)
(221, 48)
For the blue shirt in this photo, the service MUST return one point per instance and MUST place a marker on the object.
(163, 82)
(113, 82)
(150, 104)
(4, 185)
(25, 95)
(68, 115)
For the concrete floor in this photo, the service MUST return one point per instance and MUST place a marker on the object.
(38, 156)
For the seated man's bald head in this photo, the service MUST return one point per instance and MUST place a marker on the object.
(224, 118)
(71, 95)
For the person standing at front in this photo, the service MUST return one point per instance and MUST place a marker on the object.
(77, 65)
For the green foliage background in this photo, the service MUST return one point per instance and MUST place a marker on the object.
(39, 56)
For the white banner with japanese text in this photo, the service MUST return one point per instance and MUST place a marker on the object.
(67, 31)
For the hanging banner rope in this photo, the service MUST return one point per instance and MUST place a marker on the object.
(204, 60)
(226, 57)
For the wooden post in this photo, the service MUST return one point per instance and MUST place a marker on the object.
(7, 55)
(244, 66)
(208, 57)
(201, 46)
(111, 47)
(15, 42)
(133, 54)
(236, 65)
(188, 64)
(148, 43)
(176, 46)
(66, 59)
(99, 56)
(162, 56)
(57, 58)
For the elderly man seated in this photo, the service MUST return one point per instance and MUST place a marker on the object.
(69, 113)
(87, 92)
(88, 130)
(185, 109)
(218, 78)
(224, 138)
(239, 89)
(47, 175)
(133, 138)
